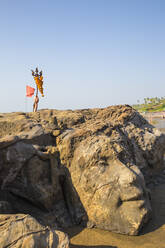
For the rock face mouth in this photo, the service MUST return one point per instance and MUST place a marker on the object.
(86, 167)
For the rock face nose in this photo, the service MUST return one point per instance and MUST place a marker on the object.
(79, 167)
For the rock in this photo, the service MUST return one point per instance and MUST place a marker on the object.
(150, 185)
(5, 207)
(15, 157)
(85, 167)
(56, 132)
(24, 231)
(7, 141)
(160, 180)
(113, 194)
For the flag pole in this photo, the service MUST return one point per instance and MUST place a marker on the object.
(26, 100)
(25, 104)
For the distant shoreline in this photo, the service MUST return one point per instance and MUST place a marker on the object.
(153, 114)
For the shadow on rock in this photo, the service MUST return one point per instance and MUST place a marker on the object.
(158, 213)
(41, 187)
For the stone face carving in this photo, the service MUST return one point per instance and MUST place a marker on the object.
(113, 193)
(79, 167)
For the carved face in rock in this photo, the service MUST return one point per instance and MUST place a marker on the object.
(113, 194)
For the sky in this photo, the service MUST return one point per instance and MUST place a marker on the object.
(93, 53)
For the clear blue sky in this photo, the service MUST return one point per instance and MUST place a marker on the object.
(93, 53)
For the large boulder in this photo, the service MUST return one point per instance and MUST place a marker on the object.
(79, 167)
(24, 231)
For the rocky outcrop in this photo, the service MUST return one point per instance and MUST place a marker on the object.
(85, 167)
(24, 231)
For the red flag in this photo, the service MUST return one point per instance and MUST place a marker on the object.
(29, 91)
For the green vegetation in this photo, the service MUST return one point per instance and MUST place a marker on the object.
(151, 105)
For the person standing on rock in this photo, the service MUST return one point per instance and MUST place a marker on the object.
(36, 101)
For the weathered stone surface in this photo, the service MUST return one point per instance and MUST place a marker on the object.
(24, 231)
(113, 194)
(80, 167)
